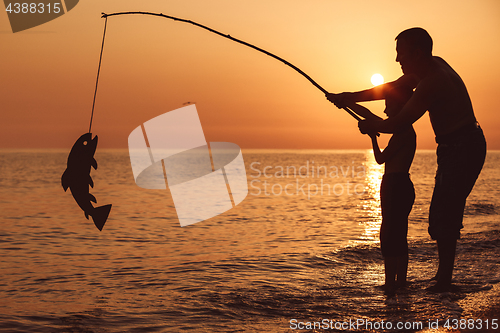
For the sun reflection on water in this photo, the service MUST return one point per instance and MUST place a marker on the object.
(371, 205)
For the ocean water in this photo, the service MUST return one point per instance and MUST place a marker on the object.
(301, 248)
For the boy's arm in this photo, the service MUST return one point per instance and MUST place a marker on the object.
(379, 156)
(397, 141)
(362, 111)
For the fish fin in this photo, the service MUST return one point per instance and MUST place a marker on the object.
(94, 163)
(92, 198)
(64, 180)
(100, 216)
(91, 182)
(86, 215)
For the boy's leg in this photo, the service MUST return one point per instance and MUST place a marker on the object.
(396, 206)
(390, 264)
(402, 270)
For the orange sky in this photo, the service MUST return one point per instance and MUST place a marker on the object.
(153, 65)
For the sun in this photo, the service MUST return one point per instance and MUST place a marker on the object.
(377, 79)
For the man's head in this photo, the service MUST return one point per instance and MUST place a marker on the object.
(413, 47)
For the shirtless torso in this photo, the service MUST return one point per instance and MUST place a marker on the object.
(439, 90)
(400, 151)
(449, 104)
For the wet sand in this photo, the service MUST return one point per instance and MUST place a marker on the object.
(486, 307)
(483, 307)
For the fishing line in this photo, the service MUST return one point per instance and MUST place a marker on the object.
(104, 15)
(98, 71)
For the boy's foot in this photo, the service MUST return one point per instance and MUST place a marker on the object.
(389, 289)
(401, 284)
(389, 292)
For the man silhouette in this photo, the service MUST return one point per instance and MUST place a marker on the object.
(461, 147)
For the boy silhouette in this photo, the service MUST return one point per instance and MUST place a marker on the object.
(397, 193)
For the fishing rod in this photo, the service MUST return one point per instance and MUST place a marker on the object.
(104, 15)
(97, 79)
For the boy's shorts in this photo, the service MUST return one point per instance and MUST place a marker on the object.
(396, 198)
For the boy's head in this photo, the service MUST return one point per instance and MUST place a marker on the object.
(396, 98)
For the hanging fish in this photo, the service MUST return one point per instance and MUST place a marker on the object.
(77, 178)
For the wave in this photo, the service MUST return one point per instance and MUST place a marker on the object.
(481, 209)
(345, 285)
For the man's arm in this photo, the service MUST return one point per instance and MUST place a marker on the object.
(362, 111)
(415, 108)
(372, 94)
(340, 100)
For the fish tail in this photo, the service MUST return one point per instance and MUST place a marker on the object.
(100, 215)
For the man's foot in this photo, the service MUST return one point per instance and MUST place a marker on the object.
(437, 288)
(440, 288)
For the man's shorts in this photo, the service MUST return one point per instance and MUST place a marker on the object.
(460, 160)
(396, 198)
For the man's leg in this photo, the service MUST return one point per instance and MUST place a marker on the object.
(446, 251)
(459, 165)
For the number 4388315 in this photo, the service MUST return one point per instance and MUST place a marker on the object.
(33, 8)
(471, 324)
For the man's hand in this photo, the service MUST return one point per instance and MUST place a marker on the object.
(368, 127)
(340, 100)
